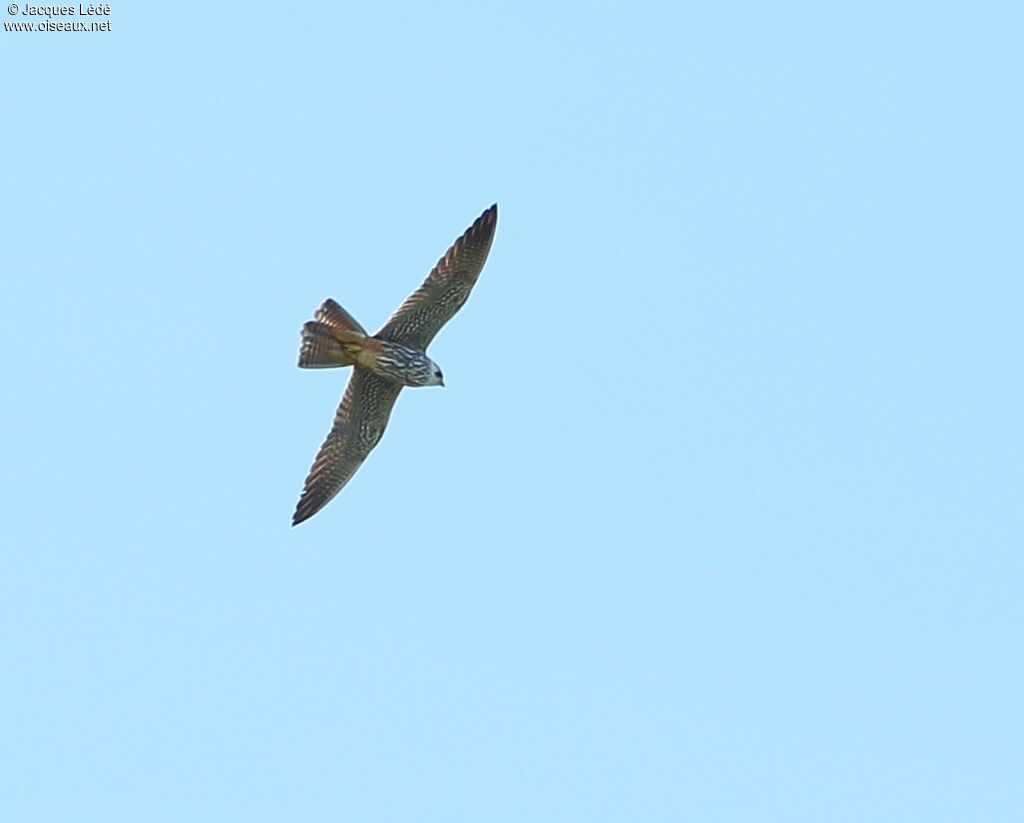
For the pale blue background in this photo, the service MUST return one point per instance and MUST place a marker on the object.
(719, 518)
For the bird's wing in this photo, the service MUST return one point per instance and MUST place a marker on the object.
(358, 426)
(446, 288)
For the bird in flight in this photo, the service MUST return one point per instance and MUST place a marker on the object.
(382, 364)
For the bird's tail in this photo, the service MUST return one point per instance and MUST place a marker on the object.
(333, 339)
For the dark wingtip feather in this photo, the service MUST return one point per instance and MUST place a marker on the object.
(303, 512)
(483, 226)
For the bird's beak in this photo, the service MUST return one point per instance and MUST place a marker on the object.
(442, 382)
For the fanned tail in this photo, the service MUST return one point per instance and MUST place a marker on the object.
(337, 318)
(332, 340)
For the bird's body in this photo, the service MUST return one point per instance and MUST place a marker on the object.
(385, 362)
(326, 347)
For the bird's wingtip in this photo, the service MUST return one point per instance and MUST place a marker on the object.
(488, 217)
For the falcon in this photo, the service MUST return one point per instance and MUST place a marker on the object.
(382, 364)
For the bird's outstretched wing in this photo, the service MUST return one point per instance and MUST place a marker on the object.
(446, 288)
(358, 425)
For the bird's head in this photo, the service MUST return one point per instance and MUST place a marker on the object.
(407, 366)
(435, 378)
(423, 371)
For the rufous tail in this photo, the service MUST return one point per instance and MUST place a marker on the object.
(332, 340)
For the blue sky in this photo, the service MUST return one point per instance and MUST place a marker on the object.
(719, 515)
